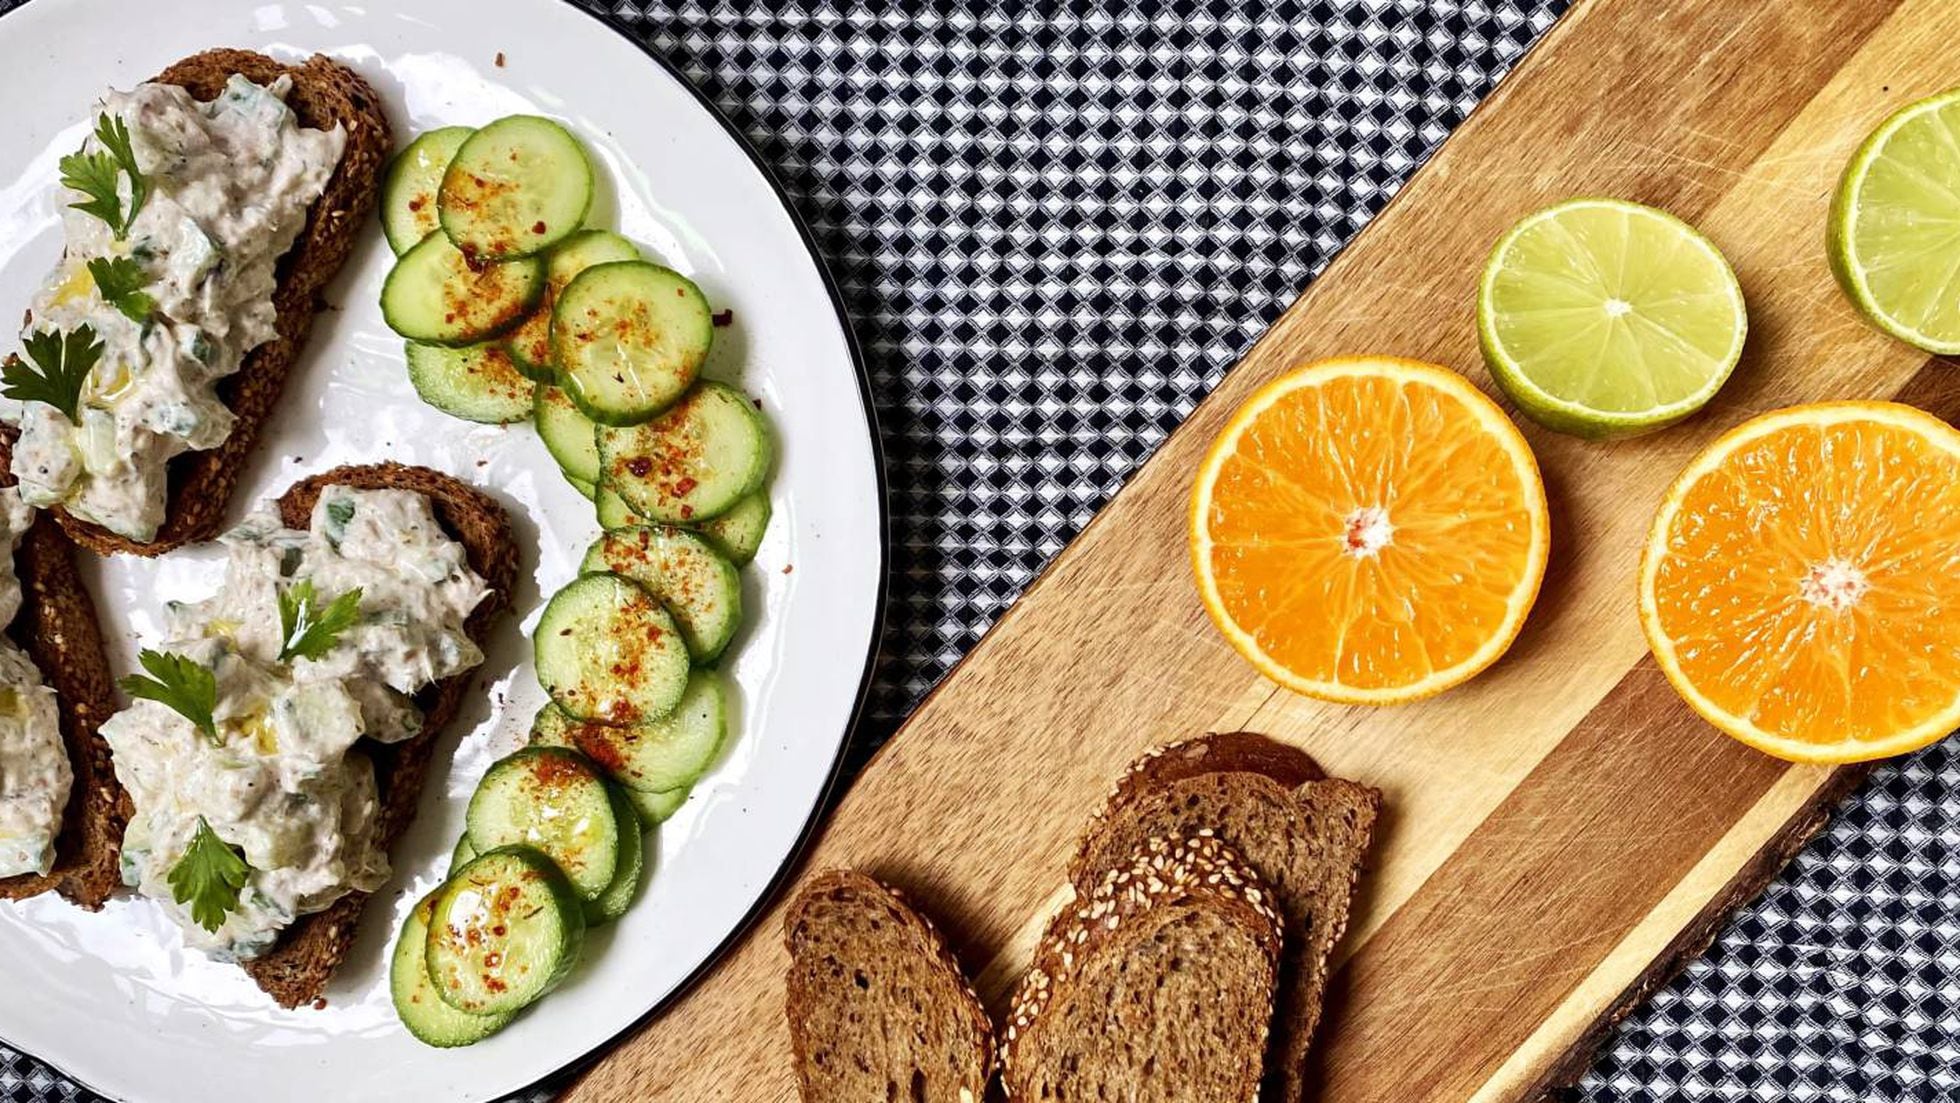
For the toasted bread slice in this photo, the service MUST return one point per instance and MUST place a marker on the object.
(325, 94)
(57, 628)
(878, 1007)
(1303, 833)
(1155, 987)
(298, 966)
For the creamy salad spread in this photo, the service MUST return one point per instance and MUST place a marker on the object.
(226, 189)
(284, 782)
(34, 773)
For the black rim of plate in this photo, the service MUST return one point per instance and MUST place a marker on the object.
(793, 858)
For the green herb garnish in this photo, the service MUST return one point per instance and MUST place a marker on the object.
(307, 631)
(179, 684)
(64, 361)
(208, 877)
(96, 175)
(121, 282)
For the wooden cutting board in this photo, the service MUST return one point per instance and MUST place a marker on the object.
(1561, 833)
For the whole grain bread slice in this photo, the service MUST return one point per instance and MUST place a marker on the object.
(325, 93)
(878, 1007)
(1302, 833)
(57, 628)
(298, 966)
(1155, 987)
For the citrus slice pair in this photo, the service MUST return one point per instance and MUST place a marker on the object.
(1369, 530)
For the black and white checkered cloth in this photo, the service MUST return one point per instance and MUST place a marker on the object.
(1056, 232)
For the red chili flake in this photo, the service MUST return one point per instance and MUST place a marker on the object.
(320, 1004)
(416, 203)
(538, 227)
(687, 513)
(724, 318)
(500, 59)
(686, 486)
(788, 567)
(640, 466)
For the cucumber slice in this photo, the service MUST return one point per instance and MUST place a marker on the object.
(568, 435)
(530, 342)
(619, 895)
(606, 650)
(475, 382)
(408, 196)
(421, 1010)
(614, 513)
(515, 188)
(654, 755)
(433, 295)
(629, 339)
(555, 802)
(505, 930)
(738, 533)
(590, 491)
(698, 584)
(691, 463)
(460, 856)
(657, 808)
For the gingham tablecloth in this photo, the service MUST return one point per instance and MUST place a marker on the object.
(1056, 232)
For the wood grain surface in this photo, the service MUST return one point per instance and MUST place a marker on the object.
(1560, 833)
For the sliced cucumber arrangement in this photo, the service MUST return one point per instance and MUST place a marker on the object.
(629, 339)
(514, 189)
(408, 195)
(568, 435)
(505, 930)
(606, 650)
(422, 1011)
(530, 342)
(618, 896)
(436, 296)
(698, 584)
(556, 803)
(475, 382)
(691, 463)
(737, 534)
(654, 755)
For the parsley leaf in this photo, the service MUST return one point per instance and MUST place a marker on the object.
(97, 176)
(121, 282)
(186, 688)
(208, 877)
(64, 360)
(307, 631)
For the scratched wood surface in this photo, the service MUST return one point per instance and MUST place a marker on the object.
(1561, 833)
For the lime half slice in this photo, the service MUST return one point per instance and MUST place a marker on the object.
(1603, 318)
(1895, 225)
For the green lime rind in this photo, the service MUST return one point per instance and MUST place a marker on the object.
(1566, 361)
(1903, 201)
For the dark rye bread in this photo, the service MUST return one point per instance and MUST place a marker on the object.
(1304, 834)
(57, 628)
(878, 1007)
(297, 968)
(1156, 987)
(325, 93)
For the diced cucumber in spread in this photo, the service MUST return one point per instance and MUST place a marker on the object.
(475, 382)
(691, 463)
(612, 903)
(505, 930)
(607, 650)
(460, 856)
(435, 296)
(421, 1010)
(653, 755)
(408, 196)
(738, 533)
(614, 513)
(657, 808)
(629, 339)
(555, 802)
(590, 491)
(698, 584)
(530, 342)
(568, 435)
(515, 188)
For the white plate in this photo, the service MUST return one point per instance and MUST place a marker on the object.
(113, 999)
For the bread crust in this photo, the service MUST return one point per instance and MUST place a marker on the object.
(325, 94)
(300, 963)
